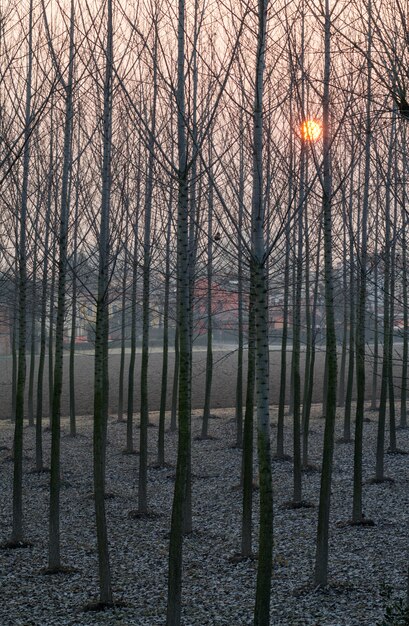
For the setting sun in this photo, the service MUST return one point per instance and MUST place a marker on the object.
(311, 130)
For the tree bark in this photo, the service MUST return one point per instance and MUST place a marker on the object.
(101, 379)
(174, 602)
(380, 441)
(247, 455)
(43, 333)
(54, 557)
(361, 314)
(259, 276)
(165, 349)
(321, 559)
(17, 524)
(147, 252)
(405, 353)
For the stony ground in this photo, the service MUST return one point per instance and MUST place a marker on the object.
(216, 592)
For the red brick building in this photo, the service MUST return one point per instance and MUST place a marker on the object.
(224, 306)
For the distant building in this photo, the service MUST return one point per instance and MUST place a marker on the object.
(224, 306)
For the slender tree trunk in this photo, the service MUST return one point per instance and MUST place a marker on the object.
(283, 368)
(297, 480)
(30, 403)
(14, 346)
(259, 277)
(175, 388)
(352, 338)
(392, 411)
(43, 331)
(247, 455)
(293, 284)
(405, 353)
(321, 561)
(308, 340)
(123, 323)
(361, 315)
(209, 351)
(324, 387)
(147, 252)
(174, 603)
(240, 357)
(194, 221)
(17, 525)
(101, 379)
(353, 284)
(310, 363)
(51, 321)
(374, 395)
(240, 329)
(54, 558)
(165, 349)
(380, 441)
(131, 372)
(341, 387)
(73, 422)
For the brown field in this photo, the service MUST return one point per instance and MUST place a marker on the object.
(223, 389)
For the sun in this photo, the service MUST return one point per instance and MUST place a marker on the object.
(311, 130)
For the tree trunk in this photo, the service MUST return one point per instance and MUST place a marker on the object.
(174, 602)
(30, 403)
(240, 329)
(374, 396)
(123, 321)
(310, 353)
(101, 379)
(131, 372)
(54, 558)
(353, 288)
(165, 349)
(283, 368)
(51, 322)
(209, 351)
(392, 415)
(147, 252)
(361, 314)
(17, 526)
(14, 346)
(43, 333)
(321, 560)
(405, 354)
(259, 278)
(380, 441)
(297, 480)
(352, 339)
(247, 455)
(341, 387)
(73, 423)
(175, 388)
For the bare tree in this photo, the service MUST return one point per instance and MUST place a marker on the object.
(259, 278)
(17, 536)
(321, 558)
(54, 557)
(101, 329)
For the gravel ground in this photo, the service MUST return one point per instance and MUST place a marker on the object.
(216, 592)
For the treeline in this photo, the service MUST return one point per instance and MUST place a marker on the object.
(172, 163)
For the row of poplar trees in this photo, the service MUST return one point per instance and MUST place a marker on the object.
(144, 147)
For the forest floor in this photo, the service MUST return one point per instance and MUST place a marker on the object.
(363, 560)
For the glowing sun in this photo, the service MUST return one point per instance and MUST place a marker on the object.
(311, 130)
